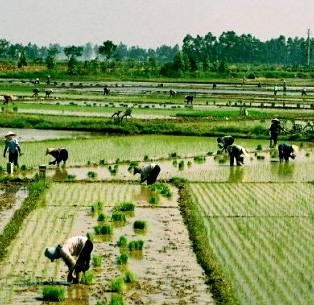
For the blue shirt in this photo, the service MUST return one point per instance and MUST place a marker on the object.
(13, 145)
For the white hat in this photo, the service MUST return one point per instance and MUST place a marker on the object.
(52, 253)
(49, 150)
(10, 134)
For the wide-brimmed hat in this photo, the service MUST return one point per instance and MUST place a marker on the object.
(52, 253)
(49, 150)
(275, 120)
(10, 134)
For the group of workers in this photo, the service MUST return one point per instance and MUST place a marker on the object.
(76, 251)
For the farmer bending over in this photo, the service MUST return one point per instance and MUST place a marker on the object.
(224, 142)
(286, 151)
(60, 154)
(236, 152)
(148, 172)
(274, 132)
(75, 247)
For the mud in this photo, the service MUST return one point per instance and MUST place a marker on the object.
(167, 271)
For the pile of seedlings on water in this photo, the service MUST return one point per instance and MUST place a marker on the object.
(88, 278)
(117, 299)
(118, 218)
(126, 206)
(122, 242)
(117, 285)
(136, 245)
(154, 199)
(122, 259)
(113, 169)
(140, 225)
(96, 261)
(71, 177)
(199, 159)
(105, 229)
(129, 277)
(92, 175)
(132, 165)
(53, 293)
(161, 188)
(97, 207)
(181, 165)
(102, 217)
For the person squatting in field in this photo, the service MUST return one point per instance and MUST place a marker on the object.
(79, 247)
(225, 142)
(60, 154)
(148, 173)
(12, 145)
(274, 132)
(286, 151)
(236, 152)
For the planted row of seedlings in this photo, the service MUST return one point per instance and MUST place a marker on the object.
(261, 236)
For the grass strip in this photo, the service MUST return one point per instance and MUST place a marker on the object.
(35, 197)
(220, 288)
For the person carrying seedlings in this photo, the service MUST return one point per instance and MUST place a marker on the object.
(286, 151)
(225, 142)
(236, 152)
(76, 253)
(12, 145)
(274, 132)
(148, 173)
(60, 154)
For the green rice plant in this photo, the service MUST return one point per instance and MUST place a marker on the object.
(136, 245)
(105, 229)
(102, 162)
(118, 217)
(97, 207)
(189, 164)
(122, 259)
(129, 277)
(88, 278)
(132, 165)
(53, 293)
(23, 167)
(140, 225)
(175, 163)
(101, 217)
(118, 285)
(154, 199)
(96, 261)
(181, 165)
(71, 177)
(173, 155)
(199, 159)
(117, 299)
(146, 158)
(126, 207)
(259, 147)
(161, 188)
(122, 242)
(91, 175)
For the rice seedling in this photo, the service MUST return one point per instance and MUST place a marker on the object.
(118, 285)
(259, 147)
(92, 175)
(122, 242)
(126, 207)
(181, 165)
(199, 159)
(105, 229)
(118, 217)
(102, 162)
(146, 158)
(97, 207)
(140, 225)
(23, 167)
(122, 259)
(129, 277)
(96, 261)
(117, 299)
(54, 293)
(136, 245)
(71, 177)
(173, 155)
(88, 278)
(102, 217)
(154, 199)
(175, 163)
(161, 188)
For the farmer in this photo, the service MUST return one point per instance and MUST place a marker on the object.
(79, 247)
(35, 92)
(286, 151)
(48, 92)
(189, 99)
(7, 98)
(106, 90)
(224, 142)
(12, 144)
(236, 152)
(148, 172)
(274, 132)
(60, 154)
(275, 90)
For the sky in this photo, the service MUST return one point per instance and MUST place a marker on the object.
(149, 23)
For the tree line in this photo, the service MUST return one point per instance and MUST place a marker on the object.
(200, 53)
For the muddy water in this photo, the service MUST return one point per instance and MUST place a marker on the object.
(167, 271)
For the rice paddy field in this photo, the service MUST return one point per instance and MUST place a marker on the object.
(254, 222)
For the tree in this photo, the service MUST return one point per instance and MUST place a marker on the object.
(73, 51)
(107, 49)
(22, 60)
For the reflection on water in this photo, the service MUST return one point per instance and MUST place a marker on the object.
(236, 174)
(77, 295)
(60, 174)
(286, 169)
